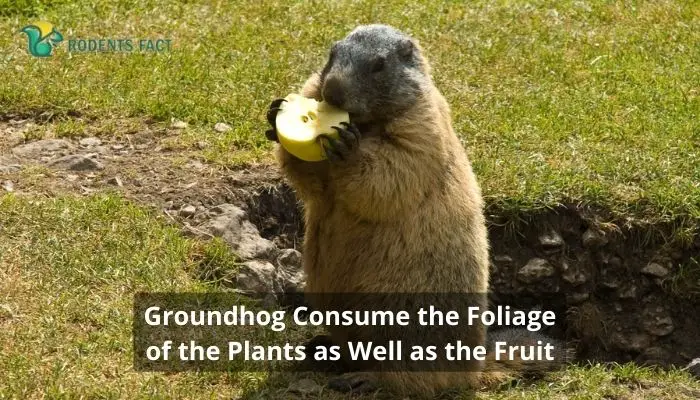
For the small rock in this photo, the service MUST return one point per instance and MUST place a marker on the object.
(551, 240)
(39, 147)
(255, 277)
(503, 259)
(629, 292)
(289, 259)
(90, 142)
(188, 211)
(72, 178)
(655, 269)
(535, 270)
(8, 186)
(77, 162)
(202, 144)
(577, 298)
(231, 224)
(574, 277)
(636, 342)
(222, 127)
(639, 342)
(305, 387)
(116, 181)
(117, 146)
(178, 125)
(101, 149)
(657, 321)
(593, 239)
(659, 326)
(290, 276)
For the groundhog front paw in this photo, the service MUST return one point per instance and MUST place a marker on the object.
(354, 382)
(343, 148)
(271, 134)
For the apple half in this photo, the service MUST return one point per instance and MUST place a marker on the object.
(301, 120)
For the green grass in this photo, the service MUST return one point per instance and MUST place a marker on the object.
(69, 268)
(68, 271)
(593, 102)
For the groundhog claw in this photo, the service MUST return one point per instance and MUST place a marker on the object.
(350, 134)
(274, 108)
(341, 149)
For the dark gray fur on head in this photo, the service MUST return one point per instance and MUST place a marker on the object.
(375, 74)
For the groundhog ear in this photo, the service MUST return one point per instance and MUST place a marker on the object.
(406, 48)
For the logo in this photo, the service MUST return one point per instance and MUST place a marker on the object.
(43, 37)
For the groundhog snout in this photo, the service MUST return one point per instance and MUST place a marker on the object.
(333, 92)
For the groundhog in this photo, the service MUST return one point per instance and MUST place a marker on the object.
(395, 208)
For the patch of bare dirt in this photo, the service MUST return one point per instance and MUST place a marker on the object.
(140, 164)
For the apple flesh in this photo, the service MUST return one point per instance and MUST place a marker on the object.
(301, 120)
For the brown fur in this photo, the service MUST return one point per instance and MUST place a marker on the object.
(404, 215)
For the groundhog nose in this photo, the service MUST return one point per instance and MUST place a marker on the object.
(333, 92)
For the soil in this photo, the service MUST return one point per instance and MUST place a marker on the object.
(620, 290)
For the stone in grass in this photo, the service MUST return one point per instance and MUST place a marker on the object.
(90, 142)
(188, 211)
(178, 125)
(290, 277)
(39, 147)
(231, 224)
(222, 127)
(77, 162)
(255, 277)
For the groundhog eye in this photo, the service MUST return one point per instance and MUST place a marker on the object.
(377, 65)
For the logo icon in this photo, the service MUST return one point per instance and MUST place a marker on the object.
(43, 37)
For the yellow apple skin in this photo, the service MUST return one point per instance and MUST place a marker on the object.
(301, 120)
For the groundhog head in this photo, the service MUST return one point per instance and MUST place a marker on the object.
(375, 74)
